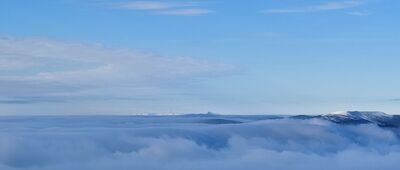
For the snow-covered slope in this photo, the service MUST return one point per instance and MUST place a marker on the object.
(357, 117)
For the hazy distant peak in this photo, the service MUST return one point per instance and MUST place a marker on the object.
(361, 114)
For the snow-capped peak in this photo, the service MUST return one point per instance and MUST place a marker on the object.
(338, 113)
(361, 113)
(372, 116)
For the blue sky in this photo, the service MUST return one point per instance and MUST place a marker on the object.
(231, 57)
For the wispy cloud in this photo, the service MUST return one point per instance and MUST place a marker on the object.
(360, 13)
(187, 12)
(329, 6)
(66, 98)
(12, 101)
(153, 5)
(57, 70)
(165, 7)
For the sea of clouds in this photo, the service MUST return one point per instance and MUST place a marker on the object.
(179, 143)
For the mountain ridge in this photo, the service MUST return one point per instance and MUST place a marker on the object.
(357, 117)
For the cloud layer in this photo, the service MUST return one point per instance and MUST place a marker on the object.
(328, 6)
(45, 143)
(40, 70)
(165, 7)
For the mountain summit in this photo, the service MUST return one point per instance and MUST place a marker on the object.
(358, 117)
(372, 116)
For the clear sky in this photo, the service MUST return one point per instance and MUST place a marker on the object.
(224, 56)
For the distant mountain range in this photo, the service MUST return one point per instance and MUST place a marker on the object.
(342, 117)
(357, 117)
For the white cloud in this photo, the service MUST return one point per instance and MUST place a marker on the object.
(165, 7)
(47, 67)
(187, 12)
(329, 6)
(360, 13)
(103, 143)
(339, 5)
(153, 5)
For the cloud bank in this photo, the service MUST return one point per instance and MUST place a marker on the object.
(328, 6)
(42, 70)
(46, 143)
(165, 7)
